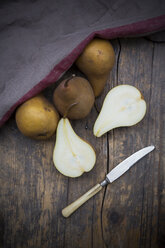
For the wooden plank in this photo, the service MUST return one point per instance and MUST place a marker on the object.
(158, 133)
(83, 221)
(128, 213)
(32, 192)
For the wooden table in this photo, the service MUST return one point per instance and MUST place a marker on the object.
(130, 212)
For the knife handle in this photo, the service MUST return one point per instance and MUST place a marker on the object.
(66, 212)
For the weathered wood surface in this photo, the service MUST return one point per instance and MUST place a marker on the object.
(128, 213)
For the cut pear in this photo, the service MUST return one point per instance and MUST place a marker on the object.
(72, 155)
(123, 106)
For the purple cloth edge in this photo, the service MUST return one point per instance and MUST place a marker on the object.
(139, 28)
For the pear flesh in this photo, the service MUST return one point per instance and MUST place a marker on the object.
(72, 155)
(123, 106)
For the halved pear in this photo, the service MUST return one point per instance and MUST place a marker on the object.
(123, 106)
(72, 155)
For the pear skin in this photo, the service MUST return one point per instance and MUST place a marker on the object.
(74, 97)
(96, 61)
(37, 118)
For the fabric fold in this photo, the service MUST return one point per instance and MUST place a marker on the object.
(40, 40)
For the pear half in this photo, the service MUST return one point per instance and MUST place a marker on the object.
(72, 155)
(123, 106)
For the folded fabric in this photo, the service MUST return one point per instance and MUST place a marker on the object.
(40, 40)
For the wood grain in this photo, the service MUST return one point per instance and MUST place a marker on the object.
(128, 213)
(71, 208)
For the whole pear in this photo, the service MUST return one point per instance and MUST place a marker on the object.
(74, 97)
(37, 118)
(96, 61)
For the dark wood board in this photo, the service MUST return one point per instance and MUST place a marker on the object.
(128, 213)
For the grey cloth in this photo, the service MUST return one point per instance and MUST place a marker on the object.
(36, 35)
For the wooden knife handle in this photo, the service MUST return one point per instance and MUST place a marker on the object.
(66, 212)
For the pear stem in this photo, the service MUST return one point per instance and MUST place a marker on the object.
(66, 82)
(69, 107)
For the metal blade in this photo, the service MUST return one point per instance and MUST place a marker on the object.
(125, 165)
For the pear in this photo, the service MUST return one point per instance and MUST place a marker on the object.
(72, 155)
(123, 106)
(37, 118)
(96, 61)
(74, 97)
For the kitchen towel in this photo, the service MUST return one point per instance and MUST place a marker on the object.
(40, 40)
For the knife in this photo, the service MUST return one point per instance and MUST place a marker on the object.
(114, 174)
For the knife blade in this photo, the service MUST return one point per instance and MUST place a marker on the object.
(125, 165)
(115, 173)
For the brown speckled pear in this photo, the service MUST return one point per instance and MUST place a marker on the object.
(37, 118)
(74, 97)
(96, 61)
